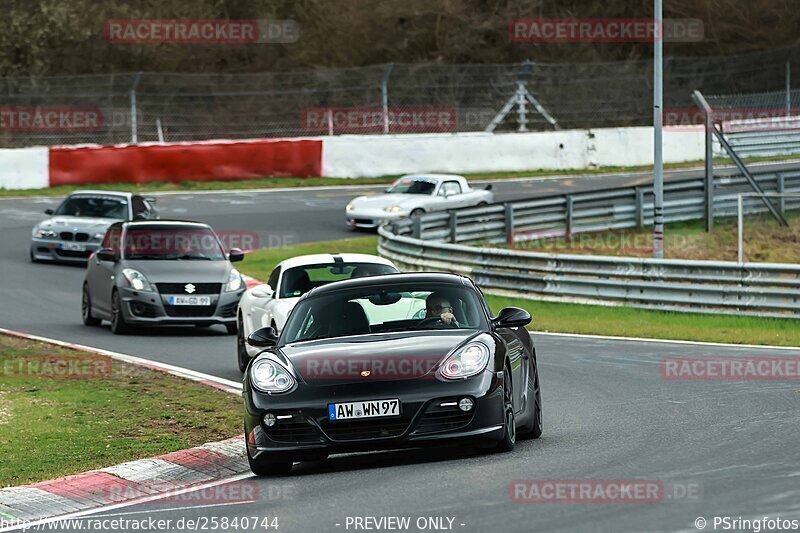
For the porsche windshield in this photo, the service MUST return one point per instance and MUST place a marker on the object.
(384, 308)
(412, 186)
(94, 206)
(172, 243)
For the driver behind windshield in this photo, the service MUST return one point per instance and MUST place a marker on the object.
(438, 306)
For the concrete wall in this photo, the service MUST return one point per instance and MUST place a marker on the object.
(24, 168)
(375, 155)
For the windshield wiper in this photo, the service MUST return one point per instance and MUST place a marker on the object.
(191, 257)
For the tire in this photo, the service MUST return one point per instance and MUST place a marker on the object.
(417, 211)
(506, 444)
(273, 464)
(242, 357)
(86, 309)
(118, 324)
(481, 204)
(232, 329)
(33, 257)
(533, 428)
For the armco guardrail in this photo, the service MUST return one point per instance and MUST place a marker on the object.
(758, 289)
(623, 208)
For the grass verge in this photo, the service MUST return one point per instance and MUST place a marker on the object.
(579, 318)
(764, 240)
(106, 412)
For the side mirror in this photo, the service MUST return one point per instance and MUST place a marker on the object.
(512, 317)
(262, 291)
(263, 338)
(150, 199)
(235, 255)
(106, 254)
(48, 211)
(387, 189)
(140, 216)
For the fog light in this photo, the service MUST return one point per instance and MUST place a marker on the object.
(466, 404)
(269, 420)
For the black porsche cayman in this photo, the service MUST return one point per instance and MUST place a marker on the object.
(386, 362)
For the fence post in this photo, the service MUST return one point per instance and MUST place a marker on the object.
(709, 175)
(568, 217)
(639, 208)
(509, 218)
(788, 88)
(453, 223)
(385, 96)
(781, 188)
(416, 227)
(132, 95)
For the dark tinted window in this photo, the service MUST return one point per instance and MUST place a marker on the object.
(413, 186)
(384, 308)
(172, 243)
(94, 206)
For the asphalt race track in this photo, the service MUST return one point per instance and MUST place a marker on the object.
(719, 448)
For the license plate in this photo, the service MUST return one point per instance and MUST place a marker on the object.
(365, 409)
(73, 246)
(189, 300)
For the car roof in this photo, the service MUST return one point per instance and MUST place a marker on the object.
(392, 280)
(324, 259)
(93, 192)
(434, 177)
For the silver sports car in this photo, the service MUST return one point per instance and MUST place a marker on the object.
(76, 227)
(415, 194)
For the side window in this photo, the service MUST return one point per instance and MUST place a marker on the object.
(273, 279)
(139, 207)
(451, 187)
(112, 239)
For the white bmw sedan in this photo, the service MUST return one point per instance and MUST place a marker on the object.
(415, 194)
(269, 304)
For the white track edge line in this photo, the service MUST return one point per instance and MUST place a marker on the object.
(139, 361)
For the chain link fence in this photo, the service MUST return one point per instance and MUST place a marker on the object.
(398, 98)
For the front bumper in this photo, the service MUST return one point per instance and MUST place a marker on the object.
(303, 428)
(151, 308)
(370, 218)
(62, 251)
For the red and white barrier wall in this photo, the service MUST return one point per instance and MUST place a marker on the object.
(342, 156)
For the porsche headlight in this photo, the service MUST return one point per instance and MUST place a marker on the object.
(392, 208)
(136, 280)
(267, 375)
(234, 282)
(349, 207)
(45, 233)
(468, 361)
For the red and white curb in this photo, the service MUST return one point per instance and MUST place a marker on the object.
(167, 474)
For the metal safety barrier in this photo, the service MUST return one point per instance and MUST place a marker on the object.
(559, 215)
(437, 242)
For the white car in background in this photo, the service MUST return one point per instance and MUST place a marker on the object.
(415, 194)
(269, 304)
